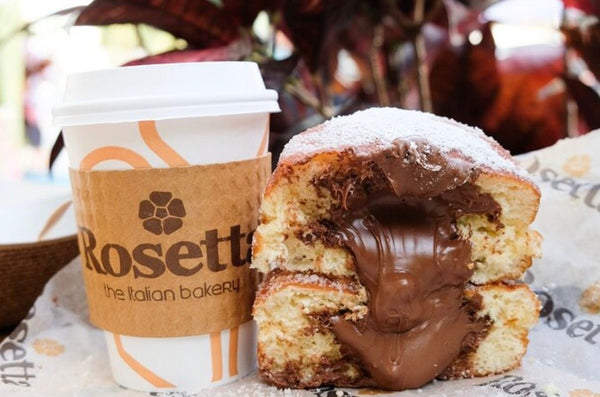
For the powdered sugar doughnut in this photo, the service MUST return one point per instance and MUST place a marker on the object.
(390, 235)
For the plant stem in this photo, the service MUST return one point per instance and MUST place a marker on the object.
(141, 39)
(420, 51)
(376, 67)
(415, 26)
(419, 11)
(25, 28)
(569, 106)
(302, 94)
(418, 43)
(274, 19)
(324, 95)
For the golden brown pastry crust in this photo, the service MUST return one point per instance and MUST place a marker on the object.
(316, 173)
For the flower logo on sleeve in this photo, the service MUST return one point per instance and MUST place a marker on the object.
(162, 213)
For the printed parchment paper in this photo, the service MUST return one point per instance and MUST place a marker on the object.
(56, 352)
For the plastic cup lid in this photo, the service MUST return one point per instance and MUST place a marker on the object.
(164, 91)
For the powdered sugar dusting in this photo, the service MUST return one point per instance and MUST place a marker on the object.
(376, 129)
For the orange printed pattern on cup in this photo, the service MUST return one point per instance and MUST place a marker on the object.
(262, 148)
(216, 356)
(159, 146)
(216, 350)
(233, 350)
(106, 153)
(153, 140)
(135, 365)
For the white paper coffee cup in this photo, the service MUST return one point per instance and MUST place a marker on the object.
(161, 116)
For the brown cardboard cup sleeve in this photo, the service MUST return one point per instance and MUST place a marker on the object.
(166, 252)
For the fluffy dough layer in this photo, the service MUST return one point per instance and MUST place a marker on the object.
(310, 278)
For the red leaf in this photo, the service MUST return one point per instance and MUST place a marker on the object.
(591, 7)
(275, 73)
(508, 102)
(313, 25)
(233, 52)
(462, 19)
(586, 41)
(588, 101)
(200, 22)
(432, 9)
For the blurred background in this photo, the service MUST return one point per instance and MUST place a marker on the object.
(525, 71)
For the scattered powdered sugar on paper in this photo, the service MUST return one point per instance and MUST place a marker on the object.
(376, 129)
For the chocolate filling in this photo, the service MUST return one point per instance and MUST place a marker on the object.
(411, 260)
